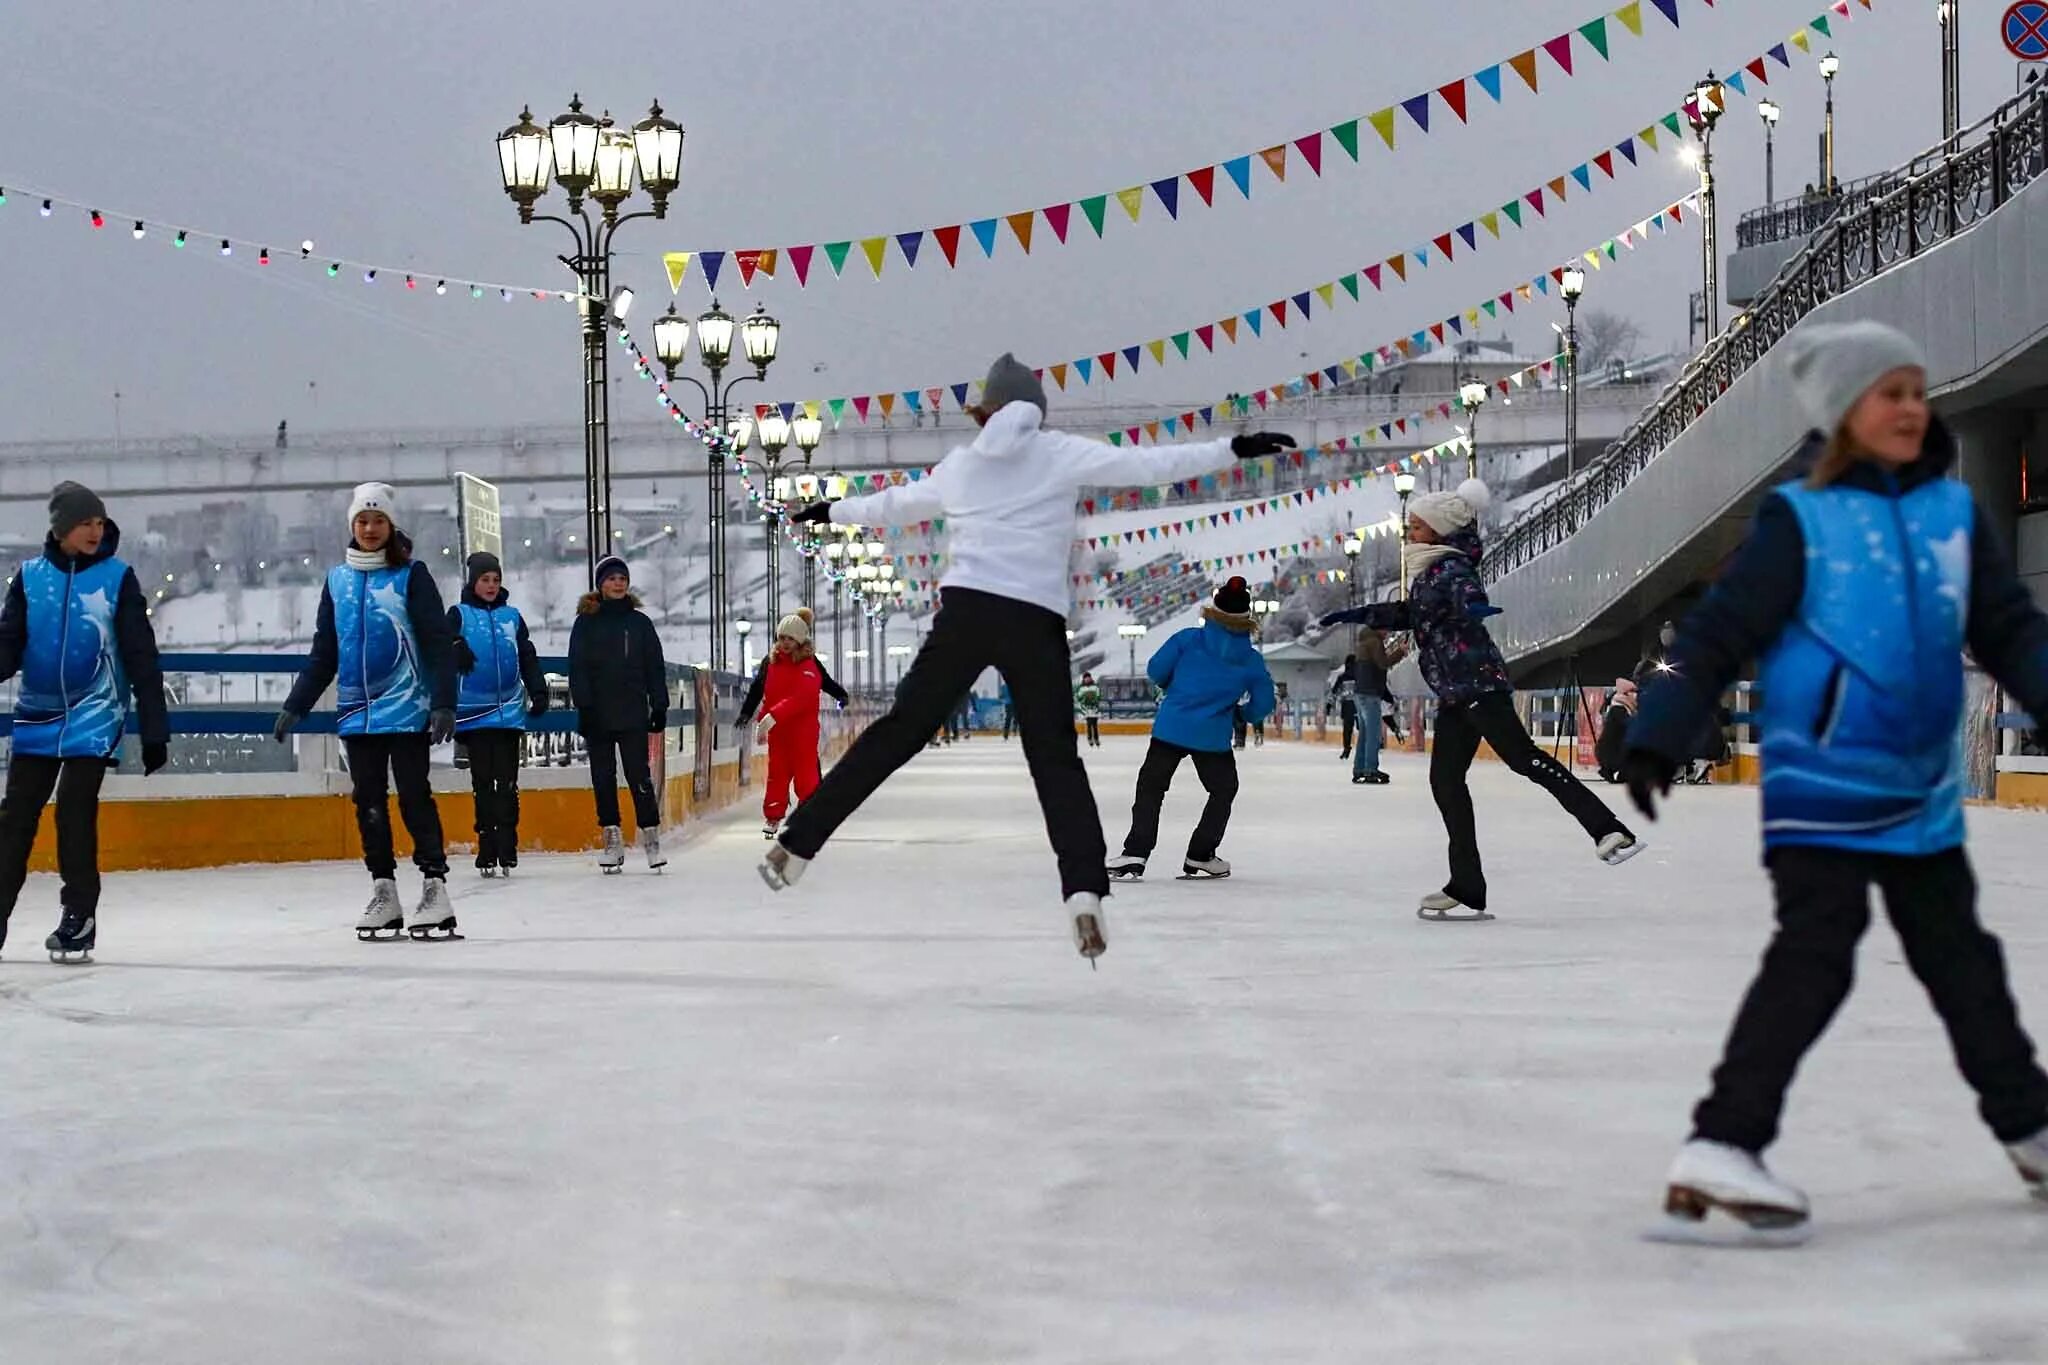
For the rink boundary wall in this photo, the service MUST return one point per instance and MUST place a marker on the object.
(555, 816)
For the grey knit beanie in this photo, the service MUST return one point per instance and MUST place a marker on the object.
(1010, 382)
(1834, 365)
(73, 503)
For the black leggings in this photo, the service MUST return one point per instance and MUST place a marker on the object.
(494, 780)
(1460, 726)
(31, 779)
(612, 754)
(376, 764)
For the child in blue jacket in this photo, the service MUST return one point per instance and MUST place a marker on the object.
(76, 628)
(1859, 588)
(499, 687)
(1203, 671)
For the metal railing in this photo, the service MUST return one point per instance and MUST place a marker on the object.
(1938, 196)
(1793, 219)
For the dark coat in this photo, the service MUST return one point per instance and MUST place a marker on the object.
(617, 677)
(1446, 610)
(1762, 591)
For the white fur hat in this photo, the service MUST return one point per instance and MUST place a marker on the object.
(373, 497)
(1446, 513)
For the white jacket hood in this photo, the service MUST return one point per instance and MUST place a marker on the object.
(1010, 499)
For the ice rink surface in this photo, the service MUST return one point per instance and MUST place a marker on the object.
(891, 1116)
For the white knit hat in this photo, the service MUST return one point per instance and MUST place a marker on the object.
(373, 497)
(796, 625)
(1835, 364)
(1446, 513)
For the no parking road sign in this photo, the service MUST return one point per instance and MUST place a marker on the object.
(2025, 29)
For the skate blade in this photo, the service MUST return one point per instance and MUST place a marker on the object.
(1127, 874)
(1454, 916)
(386, 935)
(1201, 876)
(1694, 1218)
(610, 871)
(1088, 937)
(1623, 854)
(71, 957)
(433, 933)
(772, 877)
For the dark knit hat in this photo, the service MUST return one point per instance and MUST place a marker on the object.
(70, 504)
(1010, 382)
(1234, 597)
(607, 567)
(479, 564)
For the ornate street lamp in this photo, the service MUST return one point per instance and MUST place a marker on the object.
(1573, 287)
(1404, 488)
(1830, 67)
(1133, 632)
(1353, 546)
(1703, 109)
(1472, 396)
(1768, 110)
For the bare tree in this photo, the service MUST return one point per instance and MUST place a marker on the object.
(1605, 336)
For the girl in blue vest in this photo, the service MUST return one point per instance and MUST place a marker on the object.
(1860, 587)
(76, 629)
(382, 638)
(500, 685)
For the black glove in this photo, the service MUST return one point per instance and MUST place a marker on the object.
(155, 753)
(1259, 444)
(537, 705)
(440, 725)
(817, 514)
(658, 721)
(465, 657)
(1649, 776)
(287, 721)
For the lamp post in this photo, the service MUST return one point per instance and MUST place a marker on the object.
(1703, 109)
(1132, 633)
(1951, 70)
(899, 653)
(760, 337)
(1573, 288)
(1830, 65)
(1770, 113)
(772, 431)
(1262, 608)
(1471, 398)
(745, 628)
(592, 160)
(1404, 488)
(808, 431)
(1352, 547)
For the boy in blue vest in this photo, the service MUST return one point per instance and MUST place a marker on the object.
(76, 628)
(1203, 671)
(382, 638)
(1860, 587)
(499, 687)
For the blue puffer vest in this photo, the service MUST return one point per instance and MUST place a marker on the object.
(74, 693)
(1863, 693)
(491, 696)
(380, 687)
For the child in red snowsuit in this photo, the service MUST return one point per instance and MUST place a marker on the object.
(786, 690)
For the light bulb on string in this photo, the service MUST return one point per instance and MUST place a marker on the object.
(441, 287)
(369, 277)
(263, 256)
(141, 230)
(333, 269)
(98, 219)
(476, 292)
(46, 208)
(227, 248)
(306, 249)
(409, 284)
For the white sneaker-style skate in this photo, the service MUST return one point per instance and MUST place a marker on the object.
(612, 858)
(650, 844)
(1127, 865)
(769, 829)
(1091, 925)
(1441, 907)
(1617, 848)
(2030, 1158)
(782, 869)
(1203, 870)
(384, 916)
(1710, 1177)
(434, 916)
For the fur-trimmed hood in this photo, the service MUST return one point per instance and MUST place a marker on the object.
(590, 602)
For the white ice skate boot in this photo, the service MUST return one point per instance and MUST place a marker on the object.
(2031, 1157)
(384, 916)
(650, 844)
(1091, 924)
(1710, 1177)
(782, 869)
(1441, 907)
(769, 829)
(1127, 865)
(1203, 869)
(434, 916)
(612, 858)
(1617, 848)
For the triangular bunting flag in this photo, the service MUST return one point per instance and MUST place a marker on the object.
(677, 264)
(1168, 191)
(860, 406)
(1204, 182)
(1131, 357)
(1093, 207)
(1346, 134)
(1239, 169)
(1383, 124)
(1157, 348)
(1759, 70)
(1056, 216)
(1350, 283)
(1311, 149)
(1399, 265)
(1671, 121)
(1180, 343)
(1301, 304)
(960, 394)
(1278, 308)
(1605, 161)
(1327, 293)
(1059, 375)
(1627, 147)
(1020, 224)
(1648, 137)
(1596, 34)
(1207, 335)
(872, 248)
(1470, 232)
(748, 261)
(1133, 199)
(1107, 360)
(1820, 26)
(1418, 109)
(1489, 81)
(1276, 160)
(1085, 368)
(1535, 198)
(1584, 175)
(1524, 64)
(948, 239)
(985, 233)
(711, 261)
(1229, 326)
(1454, 98)
(1557, 188)
(1778, 53)
(1256, 321)
(800, 261)
(910, 242)
(1669, 9)
(1631, 16)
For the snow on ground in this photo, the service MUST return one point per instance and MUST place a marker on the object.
(890, 1115)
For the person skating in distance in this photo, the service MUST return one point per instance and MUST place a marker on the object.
(76, 628)
(618, 682)
(1446, 613)
(1088, 701)
(1202, 671)
(1859, 588)
(499, 688)
(381, 636)
(1010, 500)
(785, 690)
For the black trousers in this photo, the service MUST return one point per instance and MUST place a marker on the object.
(494, 780)
(612, 754)
(1460, 726)
(30, 782)
(974, 631)
(1218, 772)
(376, 764)
(1350, 712)
(1823, 909)
(1094, 732)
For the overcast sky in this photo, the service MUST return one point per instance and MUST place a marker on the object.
(369, 126)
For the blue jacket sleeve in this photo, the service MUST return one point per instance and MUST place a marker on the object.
(320, 665)
(2006, 632)
(430, 628)
(1159, 668)
(1739, 619)
(1263, 698)
(530, 671)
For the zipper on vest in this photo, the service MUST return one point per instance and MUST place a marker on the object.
(64, 654)
(1831, 706)
(363, 641)
(1912, 593)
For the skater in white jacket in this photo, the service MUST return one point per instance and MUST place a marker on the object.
(1010, 503)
